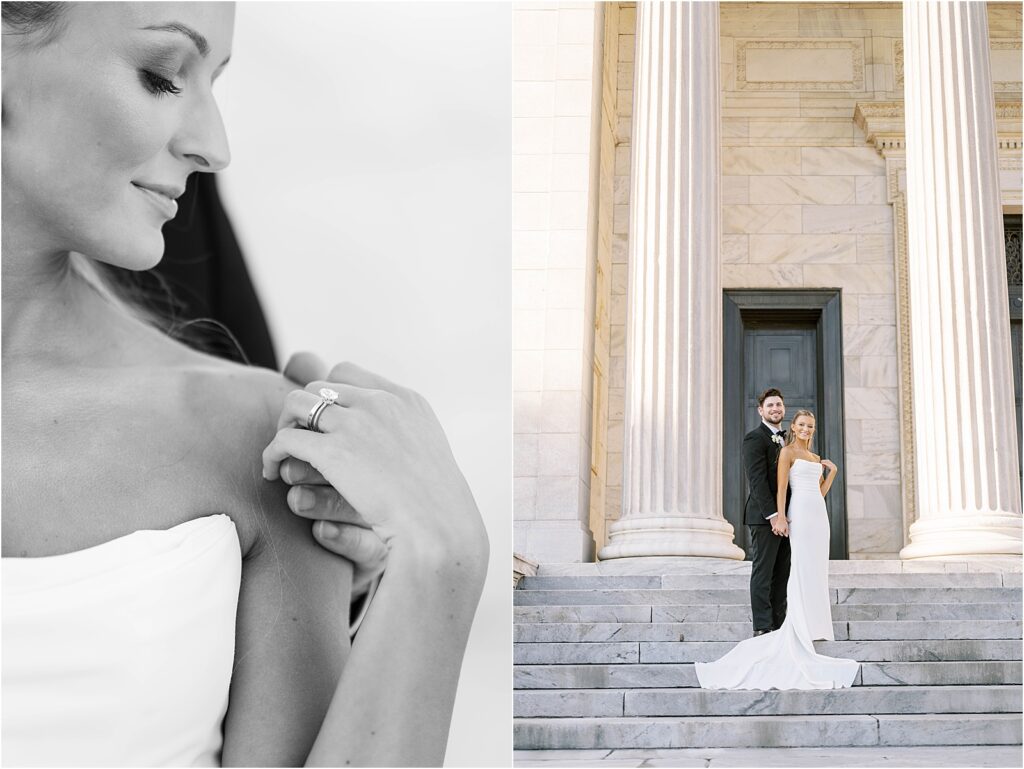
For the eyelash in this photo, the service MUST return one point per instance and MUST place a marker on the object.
(158, 84)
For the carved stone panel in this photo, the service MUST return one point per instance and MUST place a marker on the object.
(800, 65)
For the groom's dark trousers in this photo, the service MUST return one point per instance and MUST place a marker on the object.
(770, 556)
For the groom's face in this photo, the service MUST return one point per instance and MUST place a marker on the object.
(772, 410)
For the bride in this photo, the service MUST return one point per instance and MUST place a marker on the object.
(161, 606)
(785, 658)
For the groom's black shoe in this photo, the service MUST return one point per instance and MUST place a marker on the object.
(761, 632)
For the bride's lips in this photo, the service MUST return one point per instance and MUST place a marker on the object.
(163, 197)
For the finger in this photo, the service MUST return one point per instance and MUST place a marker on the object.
(323, 503)
(304, 367)
(295, 471)
(299, 404)
(351, 374)
(361, 546)
(290, 442)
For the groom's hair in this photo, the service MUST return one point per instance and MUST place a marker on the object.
(771, 392)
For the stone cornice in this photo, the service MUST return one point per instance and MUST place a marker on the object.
(883, 124)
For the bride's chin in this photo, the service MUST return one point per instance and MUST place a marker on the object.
(139, 254)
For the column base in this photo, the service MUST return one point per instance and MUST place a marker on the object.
(992, 534)
(670, 535)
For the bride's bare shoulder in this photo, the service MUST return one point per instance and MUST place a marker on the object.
(233, 412)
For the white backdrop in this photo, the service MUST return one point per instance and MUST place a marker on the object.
(370, 188)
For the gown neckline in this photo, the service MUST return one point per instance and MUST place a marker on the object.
(193, 522)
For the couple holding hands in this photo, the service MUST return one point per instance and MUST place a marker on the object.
(789, 536)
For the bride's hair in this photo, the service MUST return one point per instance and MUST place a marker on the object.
(791, 435)
(27, 18)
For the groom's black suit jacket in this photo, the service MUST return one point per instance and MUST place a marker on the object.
(761, 463)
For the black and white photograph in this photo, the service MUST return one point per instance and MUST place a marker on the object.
(256, 384)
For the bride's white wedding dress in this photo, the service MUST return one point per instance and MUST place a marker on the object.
(121, 654)
(785, 658)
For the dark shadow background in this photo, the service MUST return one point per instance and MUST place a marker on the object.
(201, 290)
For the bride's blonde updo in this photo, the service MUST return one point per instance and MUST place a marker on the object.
(791, 434)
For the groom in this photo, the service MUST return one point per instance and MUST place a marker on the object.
(769, 532)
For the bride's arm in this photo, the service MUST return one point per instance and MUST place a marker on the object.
(291, 632)
(394, 702)
(826, 481)
(291, 639)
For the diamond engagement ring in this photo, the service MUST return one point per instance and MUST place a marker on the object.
(327, 398)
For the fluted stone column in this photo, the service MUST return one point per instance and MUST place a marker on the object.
(969, 501)
(672, 461)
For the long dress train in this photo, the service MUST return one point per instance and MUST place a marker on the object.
(785, 658)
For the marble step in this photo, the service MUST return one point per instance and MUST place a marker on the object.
(741, 612)
(626, 652)
(731, 581)
(583, 632)
(661, 565)
(673, 675)
(766, 731)
(932, 757)
(613, 703)
(842, 595)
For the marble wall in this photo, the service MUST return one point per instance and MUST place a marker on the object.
(557, 60)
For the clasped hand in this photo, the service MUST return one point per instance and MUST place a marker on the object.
(780, 526)
(380, 472)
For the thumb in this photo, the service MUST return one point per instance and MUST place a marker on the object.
(305, 367)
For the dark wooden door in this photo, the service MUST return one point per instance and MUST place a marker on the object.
(784, 358)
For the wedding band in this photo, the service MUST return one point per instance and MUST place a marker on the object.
(327, 398)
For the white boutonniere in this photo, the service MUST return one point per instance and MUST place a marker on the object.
(777, 439)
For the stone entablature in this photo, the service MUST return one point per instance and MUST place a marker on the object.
(883, 124)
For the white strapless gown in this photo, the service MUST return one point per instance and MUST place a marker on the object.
(121, 654)
(785, 658)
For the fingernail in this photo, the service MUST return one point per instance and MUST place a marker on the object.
(304, 499)
(328, 530)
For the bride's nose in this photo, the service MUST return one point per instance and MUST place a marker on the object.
(201, 139)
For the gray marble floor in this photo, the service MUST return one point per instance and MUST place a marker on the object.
(762, 758)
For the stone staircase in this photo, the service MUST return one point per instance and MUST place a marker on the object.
(604, 657)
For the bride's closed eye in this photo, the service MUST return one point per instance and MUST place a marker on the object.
(158, 84)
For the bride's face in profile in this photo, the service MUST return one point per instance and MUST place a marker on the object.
(104, 120)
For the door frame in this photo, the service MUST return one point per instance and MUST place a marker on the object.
(1012, 223)
(743, 307)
